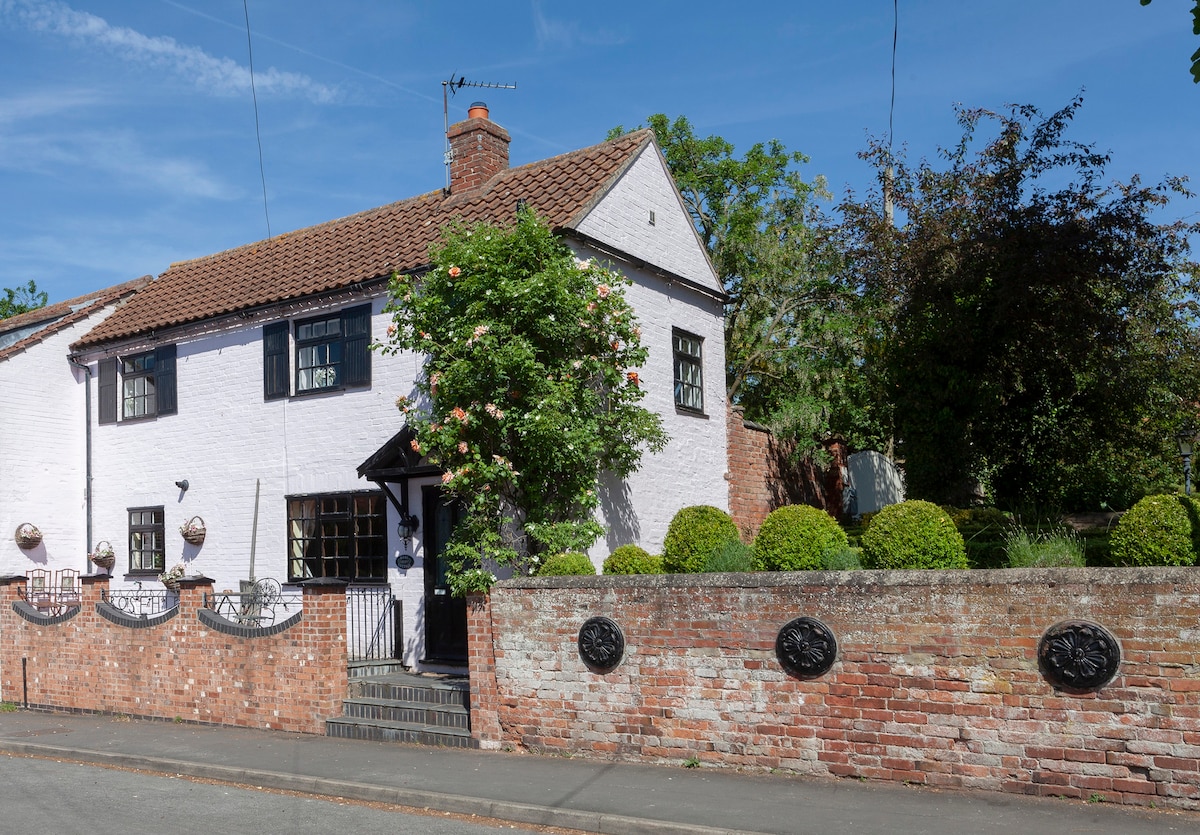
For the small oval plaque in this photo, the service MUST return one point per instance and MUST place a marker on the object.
(404, 562)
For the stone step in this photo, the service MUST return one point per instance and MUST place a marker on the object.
(371, 669)
(412, 688)
(380, 731)
(427, 714)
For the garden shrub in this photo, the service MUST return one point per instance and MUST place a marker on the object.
(566, 564)
(842, 558)
(794, 537)
(694, 533)
(1155, 531)
(913, 534)
(632, 559)
(732, 555)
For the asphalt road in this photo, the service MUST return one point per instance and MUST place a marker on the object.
(42, 795)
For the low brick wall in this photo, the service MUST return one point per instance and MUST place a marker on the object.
(178, 666)
(936, 679)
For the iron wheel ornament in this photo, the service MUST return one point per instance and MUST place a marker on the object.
(601, 644)
(1078, 655)
(806, 647)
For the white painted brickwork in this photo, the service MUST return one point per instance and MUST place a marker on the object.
(42, 455)
(225, 439)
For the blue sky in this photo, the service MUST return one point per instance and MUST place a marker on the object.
(127, 130)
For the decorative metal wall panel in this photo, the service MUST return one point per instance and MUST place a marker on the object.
(1078, 655)
(806, 647)
(601, 644)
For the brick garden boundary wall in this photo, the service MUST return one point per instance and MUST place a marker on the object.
(936, 679)
(179, 667)
(762, 476)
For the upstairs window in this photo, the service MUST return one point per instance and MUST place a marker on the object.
(147, 540)
(340, 535)
(137, 386)
(331, 352)
(689, 376)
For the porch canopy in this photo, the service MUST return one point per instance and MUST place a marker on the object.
(395, 463)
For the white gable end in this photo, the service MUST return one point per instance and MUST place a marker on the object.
(643, 216)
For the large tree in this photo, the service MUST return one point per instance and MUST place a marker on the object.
(789, 325)
(21, 300)
(1038, 330)
(530, 392)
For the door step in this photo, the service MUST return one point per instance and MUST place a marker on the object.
(407, 707)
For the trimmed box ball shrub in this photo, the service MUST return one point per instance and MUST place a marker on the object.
(566, 564)
(1155, 531)
(632, 559)
(693, 535)
(794, 537)
(913, 534)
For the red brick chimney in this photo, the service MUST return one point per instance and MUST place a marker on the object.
(478, 148)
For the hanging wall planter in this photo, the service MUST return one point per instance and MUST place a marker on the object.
(27, 536)
(193, 531)
(103, 556)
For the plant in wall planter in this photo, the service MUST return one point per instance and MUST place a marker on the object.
(171, 577)
(193, 530)
(103, 556)
(27, 536)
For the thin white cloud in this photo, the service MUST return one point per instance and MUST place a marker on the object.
(564, 35)
(120, 156)
(216, 76)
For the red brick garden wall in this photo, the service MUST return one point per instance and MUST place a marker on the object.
(289, 681)
(936, 679)
(762, 476)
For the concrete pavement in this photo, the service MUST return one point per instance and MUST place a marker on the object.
(590, 795)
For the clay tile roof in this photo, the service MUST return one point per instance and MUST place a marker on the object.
(367, 246)
(23, 331)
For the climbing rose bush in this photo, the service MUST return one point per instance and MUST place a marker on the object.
(530, 388)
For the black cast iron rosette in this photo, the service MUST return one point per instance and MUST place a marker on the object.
(601, 644)
(1078, 655)
(806, 647)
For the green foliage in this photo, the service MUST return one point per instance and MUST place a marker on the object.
(1195, 31)
(1157, 530)
(913, 534)
(842, 558)
(21, 300)
(530, 388)
(794, 538)
(570, 563)
(632, 559)
(790, 320)
(730, 556)
(1036, 325)
(694, 533)
(1042, 549)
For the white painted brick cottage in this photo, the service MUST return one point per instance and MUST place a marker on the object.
(247, 376)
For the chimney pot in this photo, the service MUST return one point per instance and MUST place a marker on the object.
(477, 110)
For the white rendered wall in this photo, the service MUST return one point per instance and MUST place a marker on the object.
(42, 454)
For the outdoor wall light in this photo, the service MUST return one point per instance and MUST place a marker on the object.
(183, 485)
(407, 526)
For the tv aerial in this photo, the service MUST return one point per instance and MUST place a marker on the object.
(450, 88)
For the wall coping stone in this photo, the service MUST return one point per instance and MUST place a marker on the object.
(1136, 576)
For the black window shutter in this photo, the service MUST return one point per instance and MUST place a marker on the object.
(164, 380)
(275, 360)
(107, 392)
(356, 348)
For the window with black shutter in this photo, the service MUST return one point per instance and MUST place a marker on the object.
(138, 386)
(332, 352)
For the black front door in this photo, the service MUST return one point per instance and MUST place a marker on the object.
(445, 614)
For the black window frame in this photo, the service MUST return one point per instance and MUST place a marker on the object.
(348, 353)
(345, 538)
(156, 527)
(681, 360)
(157, 368)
